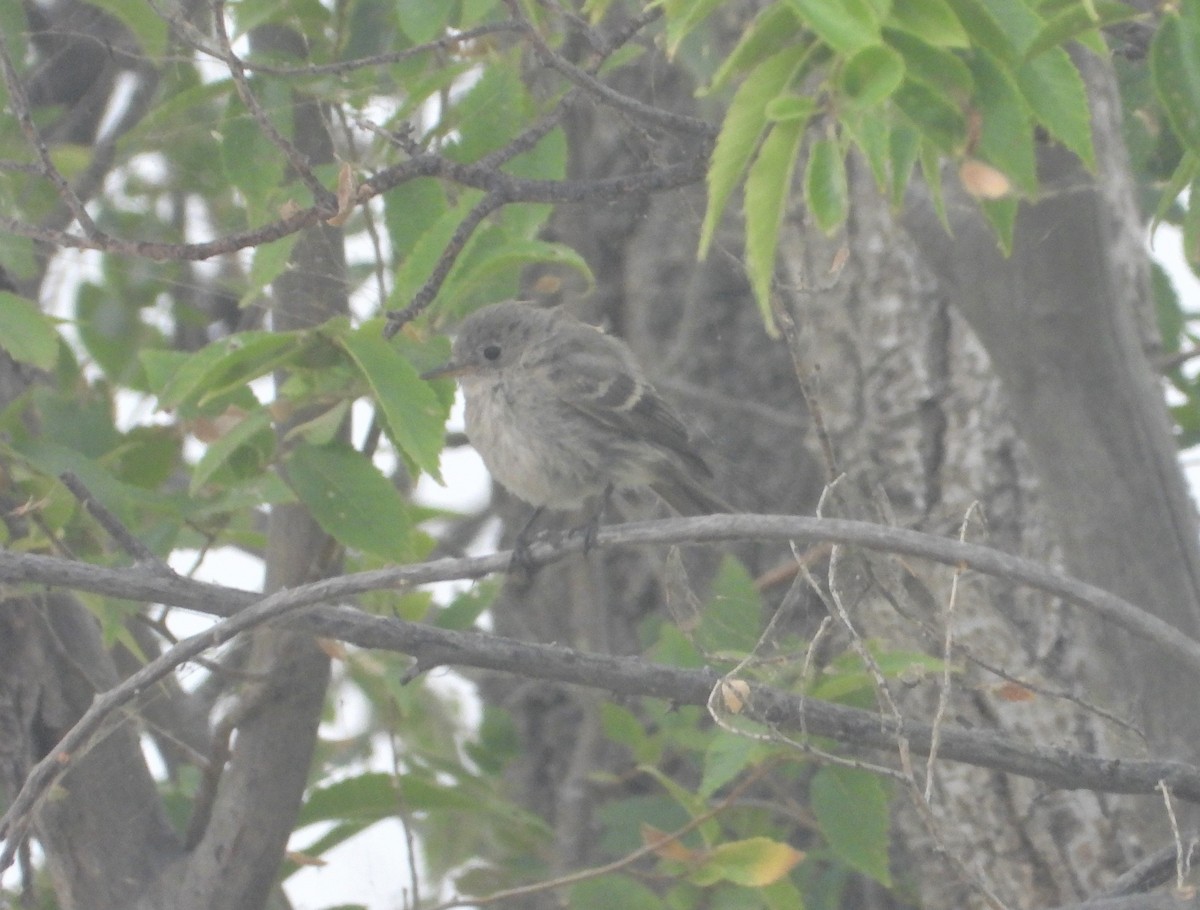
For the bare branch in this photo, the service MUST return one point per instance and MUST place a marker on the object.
(622, 675)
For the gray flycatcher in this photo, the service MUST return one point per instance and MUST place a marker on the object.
(561, 412)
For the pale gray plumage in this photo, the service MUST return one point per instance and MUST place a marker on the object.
(561, 412)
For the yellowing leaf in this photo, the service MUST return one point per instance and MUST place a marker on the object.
(754, 862)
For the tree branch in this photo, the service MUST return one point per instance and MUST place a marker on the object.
(621, 675)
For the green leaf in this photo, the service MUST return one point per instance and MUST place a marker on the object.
(1002, 215)
(851, 808)
(984, 31)
(410, 210)
(26, 333)
(611, 891)
(416, 418)
(904, 146)
(421, 20)
(682, 22)
(253, 428)
(872, 134)
(731, 618)
(369, 796)
(270, 261)
(768, 188)
(933, 21)
(790, 106)
(727, 756)
(754, 862)
(1175, 69)
(939, 120)
(1017, 20)
(511, 258)
(931, 170)
(250, 161)
(147, 25)
(845, 26)
(225, 364)
(1006, 135)
(424, 253)
(871, 75)
(940, 70)
(825, 190)
(1076, 21)
(772, 29)
(743, 125)
(1053, 88)
(350, 499)
(1187, 171)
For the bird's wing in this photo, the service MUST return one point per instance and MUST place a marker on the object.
(605, 385)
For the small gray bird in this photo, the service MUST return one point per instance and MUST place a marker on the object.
(560, 413)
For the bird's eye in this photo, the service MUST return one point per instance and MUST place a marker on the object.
(492, 352)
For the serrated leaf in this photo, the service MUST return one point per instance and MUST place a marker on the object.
(416, 418)
(933, 21)
(1175, 70)
(1187, 171)
(425, 250)
(1018, 21)
(845, 26)
(1002, 216)
(851, 808)
(1053, 88)
(1006, 134)
(1077, 22)
(825, 189)
(939, 119)
(983, 29)
(871, 75)
(942, 71)
(768, 188)
(26, 333)
(350, 499)
(772, 29)
(754, 862)
(744, 123)
(932, 172)
(871, 133)
(904, 145)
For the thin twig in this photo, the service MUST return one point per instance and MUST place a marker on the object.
(19, 103)
(112, 525)
(325, 199)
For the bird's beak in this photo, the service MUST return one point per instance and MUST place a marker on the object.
(449, 368)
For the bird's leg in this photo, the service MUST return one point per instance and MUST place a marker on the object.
(591, 527)
(522, 558)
